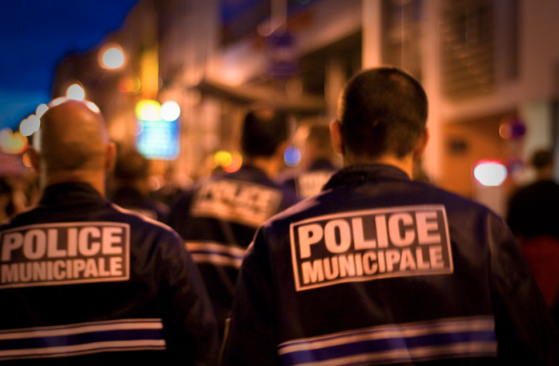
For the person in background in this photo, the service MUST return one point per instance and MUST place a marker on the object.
(316, 162)
(7, 208)
(217, 218)
(382, 270)
(84, 282)
(170, 189)
(533, 216)
(132, 187)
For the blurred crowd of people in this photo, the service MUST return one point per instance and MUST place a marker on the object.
(241, 256)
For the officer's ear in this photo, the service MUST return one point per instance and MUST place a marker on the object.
(34, 159)
(110, 156)
(421, 145)
(336, 137)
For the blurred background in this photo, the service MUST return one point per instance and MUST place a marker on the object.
(173, 78)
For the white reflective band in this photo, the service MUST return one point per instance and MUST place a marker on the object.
(82, 338)
(215, 253)
(437, 339)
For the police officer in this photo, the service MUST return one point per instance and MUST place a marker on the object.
(316, 162)
(84, 283)
(379, 269)
(218, 217)
(131, 179)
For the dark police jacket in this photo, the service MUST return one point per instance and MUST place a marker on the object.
(382, 270)
(133, 200)
(85, 282)
(217, 220)
(309, 182)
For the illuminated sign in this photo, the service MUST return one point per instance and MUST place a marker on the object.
(158, 139)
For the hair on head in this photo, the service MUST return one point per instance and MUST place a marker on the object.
(263, 131)
(542, 158)
(382, 110)
(131, 165)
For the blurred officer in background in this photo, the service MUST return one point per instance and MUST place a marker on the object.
(316, 162)
(534, 209)
(533, 216)
(379, 269)
(84, 283)
(217, 218)
(131, 179)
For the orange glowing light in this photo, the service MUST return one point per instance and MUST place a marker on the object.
(26, 160)
(236, 162)
(129, 85)
(12, 142)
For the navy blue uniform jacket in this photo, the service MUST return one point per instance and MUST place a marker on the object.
(84, 282)
(382, 270)
(217, 220)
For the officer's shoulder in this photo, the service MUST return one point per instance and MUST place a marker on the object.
(137, 220)
(331, 201)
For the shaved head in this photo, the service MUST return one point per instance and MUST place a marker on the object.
(73, 136)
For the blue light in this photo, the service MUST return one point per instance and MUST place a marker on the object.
(292, 156)
(158, 139)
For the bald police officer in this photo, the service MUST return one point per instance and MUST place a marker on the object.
(382, 270)
(83, 281)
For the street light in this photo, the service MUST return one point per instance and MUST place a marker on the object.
(111, 57)
(76, 92)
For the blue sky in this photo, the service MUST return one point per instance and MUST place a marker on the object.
(35, 35)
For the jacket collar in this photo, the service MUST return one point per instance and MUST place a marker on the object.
(69, 193)
(357, 174)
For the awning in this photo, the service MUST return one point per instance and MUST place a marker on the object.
(253, 95)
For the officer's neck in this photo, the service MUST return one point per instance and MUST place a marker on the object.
(94, 178)
(405, 164)
(270, 166)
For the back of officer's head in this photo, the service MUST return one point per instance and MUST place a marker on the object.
(263, 132)
(542, 159)
(131, 166)
(319, 137)
(382, 110)
(72, 137)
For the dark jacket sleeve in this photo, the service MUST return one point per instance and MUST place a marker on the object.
(252, 336)
(526, 334)
(189, 324)
(179, 213)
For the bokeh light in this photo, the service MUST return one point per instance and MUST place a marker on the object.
(129, 85)
(75, 92)
(230, 162)
(236, 162)
(26, 160)
(57, 101)
(170, 111)
(30, 125)
(223, 158)
(292, 156)
(148, 110)
(41, 109)
(12, 142)
(93, 107)
(490, 173)
(113, 58)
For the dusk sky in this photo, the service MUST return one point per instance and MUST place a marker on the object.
(35, 35)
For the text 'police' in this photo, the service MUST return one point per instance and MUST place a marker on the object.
(372, 244)
(54, 254)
